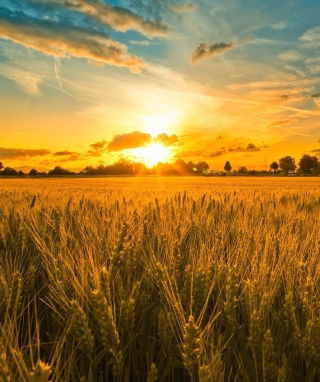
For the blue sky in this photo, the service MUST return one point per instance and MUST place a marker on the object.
(81, 80)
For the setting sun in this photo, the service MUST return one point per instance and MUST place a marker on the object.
(153, 154)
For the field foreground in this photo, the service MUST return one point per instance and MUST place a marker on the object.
(160, 279)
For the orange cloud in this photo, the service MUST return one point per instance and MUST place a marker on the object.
(184, 8)
(189, 153)
(166, 140)
(62, 40)
(64, 153)
(129, 141)
(99, 145)
(204, 50)
(11, 153)
(117, 18)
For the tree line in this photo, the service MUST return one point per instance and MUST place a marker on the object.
(307, 165)
(121, 167)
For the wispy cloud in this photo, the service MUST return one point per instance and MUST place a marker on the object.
(189, 153)
(62, 39)
(64, 153)
(12, 153)
(57, 65)
(118, 18)
(279, 26)
(291, 55)
(143, 43)
(204, 50)
(184, 8)
(311, 37)
(26, 81)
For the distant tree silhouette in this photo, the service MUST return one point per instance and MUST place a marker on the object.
(202, 167)
(1, 166)
(33, 172)
(21, 173)
(287, 164)
(8, 171)
(227, 167)
(58, 170)
(274, 167)
(242, 170)
(308, 163)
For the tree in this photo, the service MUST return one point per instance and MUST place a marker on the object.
(274, 166)
(227, 167)
(1, 166)
(33, 172)
(287, 164)
(58, 170)
(8, 171)
(202, 167)
(242, 170)
(308, 163)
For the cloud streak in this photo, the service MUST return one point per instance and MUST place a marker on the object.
(12, 153)
(117, 18)
(57, 65)
(184, 8)
(204, 50)
(62, 40)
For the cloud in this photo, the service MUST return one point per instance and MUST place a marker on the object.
(11, 153)
(167, 140)
(316, 151)
(204, 50)
(143, 43)
(250, 147)
(279, 26)
(316, 95)
(26, 81)
(117, 18)
(281, 122)
(72, 158)
(189, 153)
(64, 153)
(311, 37)
(129, 141)
(99, 145)
(290, 55)
(57, 65)
(184, 8)
(98, 149)
(216, 153)
(64, 39)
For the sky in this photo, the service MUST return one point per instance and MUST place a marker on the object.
(88, 82)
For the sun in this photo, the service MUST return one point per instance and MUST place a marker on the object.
(153, 154)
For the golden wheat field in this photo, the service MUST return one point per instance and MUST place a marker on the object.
(160, 279)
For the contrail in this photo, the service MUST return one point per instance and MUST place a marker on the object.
(57, 65)
(279, 127)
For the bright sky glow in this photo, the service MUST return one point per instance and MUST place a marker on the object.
(156, 124)
(89, 81)
(153, 154)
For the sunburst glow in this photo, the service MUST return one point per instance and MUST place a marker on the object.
(159, 123)
(153, 154)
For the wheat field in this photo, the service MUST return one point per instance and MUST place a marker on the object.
(160, 279)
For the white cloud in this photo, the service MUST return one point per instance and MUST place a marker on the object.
(290, 55)
(27, 82)
(311, 37)
(279, 26)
